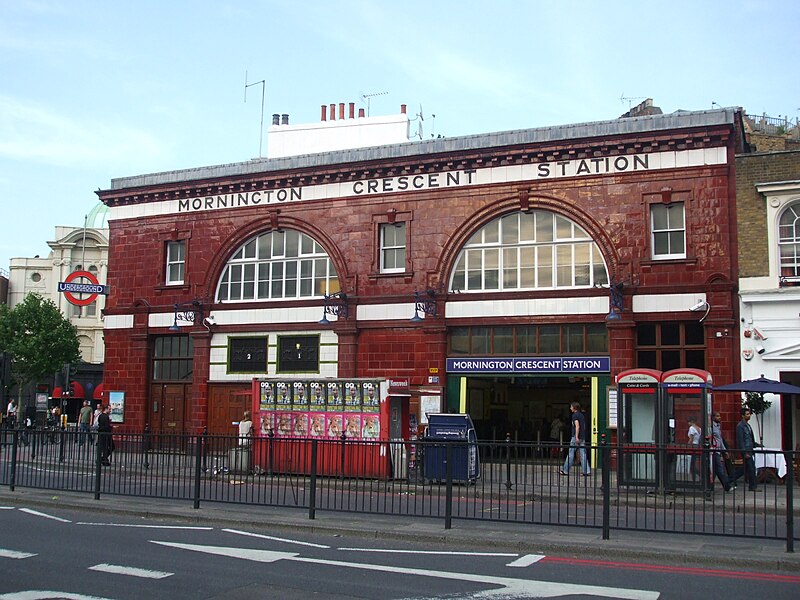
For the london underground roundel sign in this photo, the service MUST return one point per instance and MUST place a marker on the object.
(70, 287)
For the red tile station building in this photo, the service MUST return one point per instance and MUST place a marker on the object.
(504, 275)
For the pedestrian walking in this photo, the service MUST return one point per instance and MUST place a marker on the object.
(746, 443)
(11, 414)
(719, 453)
(694, 442)
(105, 438)
(85, 423)
(577, 441)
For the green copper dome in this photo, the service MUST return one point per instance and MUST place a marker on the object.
(98, 217)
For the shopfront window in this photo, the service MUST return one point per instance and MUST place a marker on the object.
(278, 265)
(529, 250)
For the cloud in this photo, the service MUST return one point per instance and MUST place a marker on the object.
(35, 133)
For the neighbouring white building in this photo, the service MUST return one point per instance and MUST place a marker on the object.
(768, 215)
(81, 248)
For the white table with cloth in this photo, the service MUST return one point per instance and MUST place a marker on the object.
(770, 458)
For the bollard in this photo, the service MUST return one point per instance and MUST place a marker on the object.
(14, 450)
(605, 466)
(312, 496)
(270, 470)
(344, 438)
(198, 458)
(146, 446)
(61, 435)
(790, 505)
(508, 461)
(448, 503)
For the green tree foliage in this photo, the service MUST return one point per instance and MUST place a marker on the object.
(38, 338)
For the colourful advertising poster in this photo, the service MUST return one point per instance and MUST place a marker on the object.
(300, 396)
(352, 396)
(267, 396)
(335, 396)
(266, 423)
(283, 395)
(372, 403)
(301, 425)
(317, 389)
(283, 424)
(370, 426)
(316, 425)
(334, 425)
(352, 425)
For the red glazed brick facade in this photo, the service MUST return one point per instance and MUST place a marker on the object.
(612, 207)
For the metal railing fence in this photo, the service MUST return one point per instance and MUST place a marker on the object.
(500, 481)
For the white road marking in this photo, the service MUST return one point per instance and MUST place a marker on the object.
(265, 556)
(46, 516)
(195, 528)
(7, 507)
(277, 539)
(47, 595)
(14, 554)
(442, 552)
(508, 587)
(526, 561)
(132, 571)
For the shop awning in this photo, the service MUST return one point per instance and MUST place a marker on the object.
(57, 392)
(98, 392)
(77, 390)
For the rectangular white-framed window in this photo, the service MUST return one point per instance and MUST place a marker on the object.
(668, 231)
(393, 247)
(176, 262)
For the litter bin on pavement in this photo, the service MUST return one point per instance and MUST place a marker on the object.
(239, 460)
(457, 431)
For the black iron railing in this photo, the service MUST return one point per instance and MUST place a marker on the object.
(501, 481)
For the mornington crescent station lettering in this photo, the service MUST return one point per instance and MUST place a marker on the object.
(583, 167)
(519, 365)
(241, 199)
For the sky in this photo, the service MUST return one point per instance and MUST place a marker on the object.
(95, 90)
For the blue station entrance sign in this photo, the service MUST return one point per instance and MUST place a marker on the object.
(519, 365)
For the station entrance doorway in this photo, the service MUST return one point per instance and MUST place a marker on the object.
(531, 408)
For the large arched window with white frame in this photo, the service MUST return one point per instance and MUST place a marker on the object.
(278, 265)
(527, 251)
(789, 244)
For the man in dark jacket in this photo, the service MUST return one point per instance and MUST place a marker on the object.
(104, 438)
(746, 442)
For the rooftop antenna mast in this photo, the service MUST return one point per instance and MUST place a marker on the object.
(623, 98)
(366, 98)
(263, 84)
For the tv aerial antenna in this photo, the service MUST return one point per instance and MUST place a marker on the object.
(629, 99)
(365, 98)
(263, 85)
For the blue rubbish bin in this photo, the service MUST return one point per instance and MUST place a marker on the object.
(458, 431)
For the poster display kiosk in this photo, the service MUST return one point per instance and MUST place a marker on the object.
(350, 418)
(657, 410)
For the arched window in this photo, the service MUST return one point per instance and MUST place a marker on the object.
(525, 251)
(277, 265)
(789, 243)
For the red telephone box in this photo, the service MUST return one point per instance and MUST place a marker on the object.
(655, 409)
